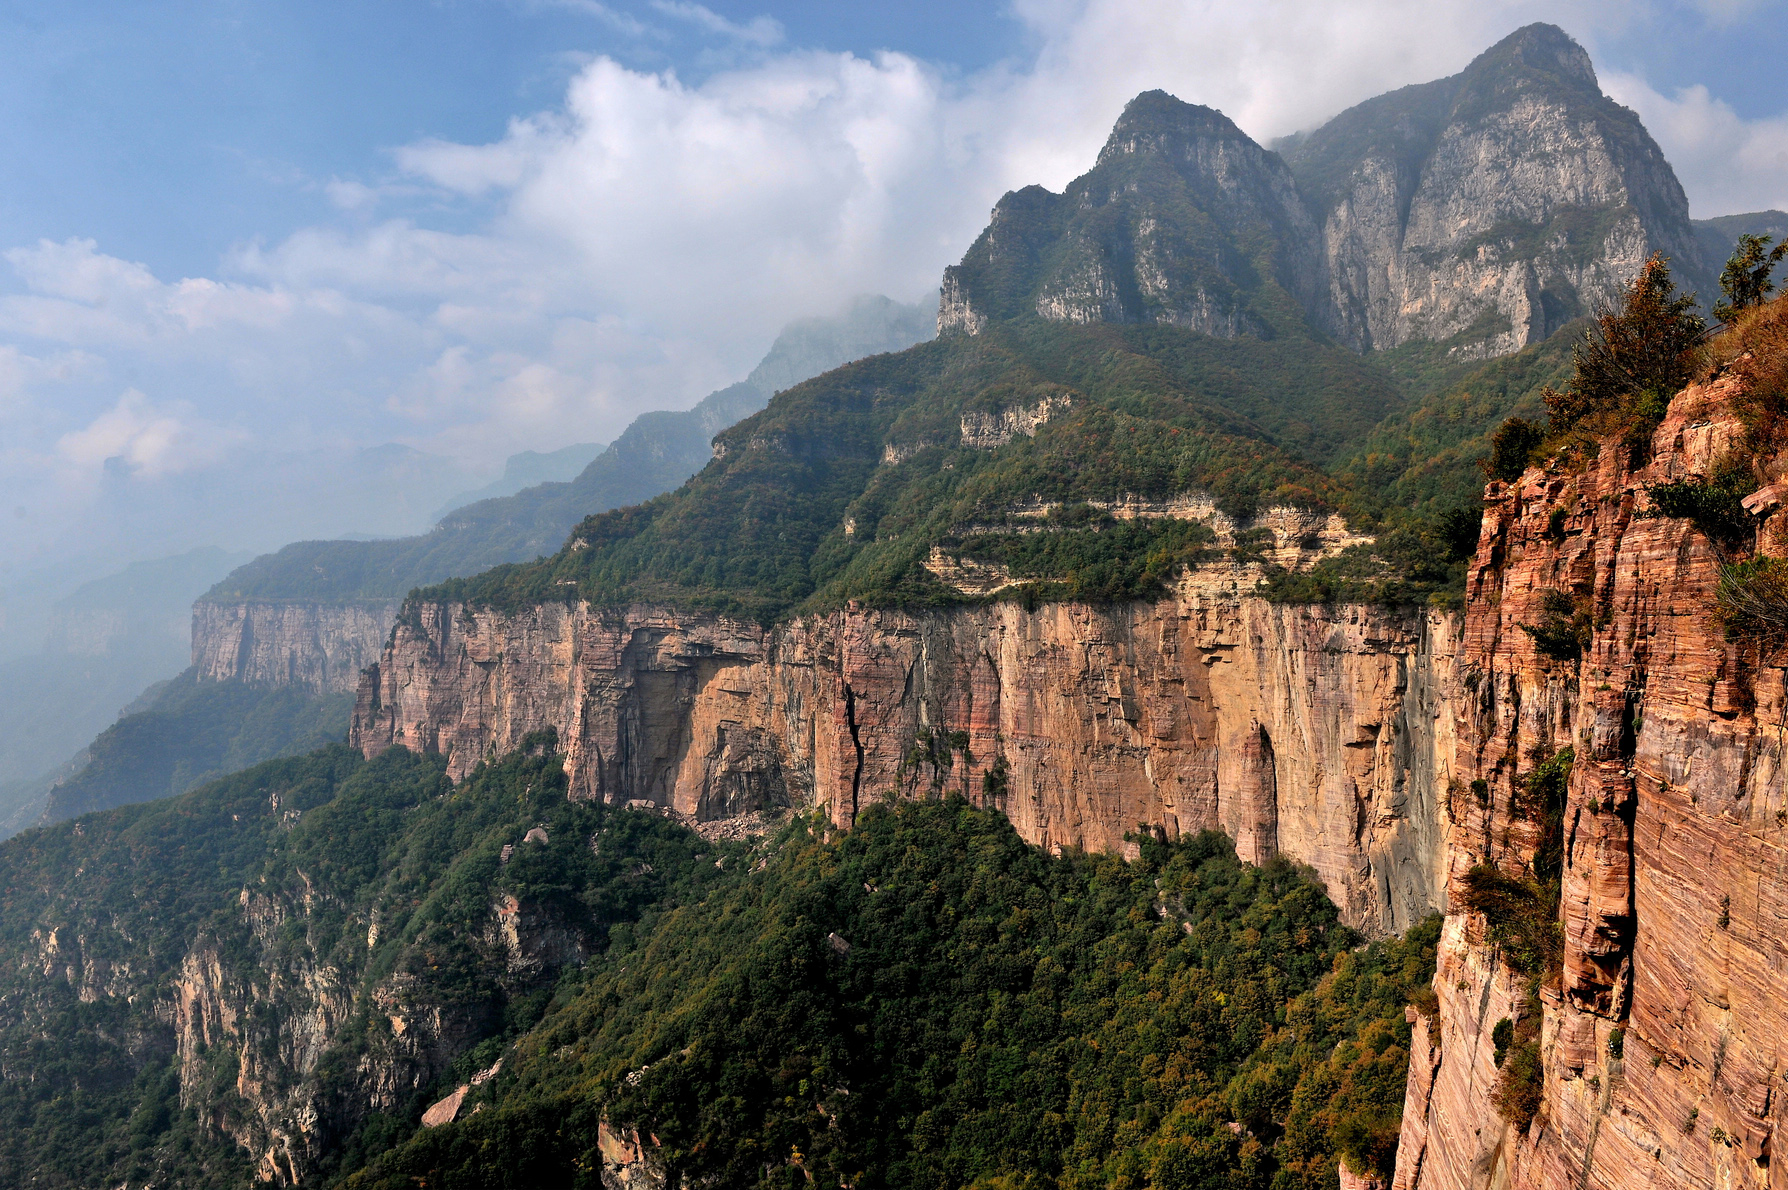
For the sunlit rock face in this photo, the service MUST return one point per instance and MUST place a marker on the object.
(1487, 209)
(1319, 732)
(1673, 843)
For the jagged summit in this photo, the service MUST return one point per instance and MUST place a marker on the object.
(1540, 48)
(1481, 211)
(1163, 125)
(1183, 220)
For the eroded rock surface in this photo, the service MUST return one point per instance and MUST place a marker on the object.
(1673, 897)
(1319, 732)
(321, 647)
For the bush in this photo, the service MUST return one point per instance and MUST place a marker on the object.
(1752, 602)
(1563, 630)
(1519, 1087)
(1511, 446)
(1715, 503)
(1651, 343)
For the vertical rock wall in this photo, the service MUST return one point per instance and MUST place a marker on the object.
(1322, 733)
(320, 647)
(1665, 1037)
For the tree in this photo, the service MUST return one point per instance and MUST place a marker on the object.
(1510, 446)
(1745, 279)
(1649, 345)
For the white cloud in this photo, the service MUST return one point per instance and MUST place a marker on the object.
(1727, 164)
(759, 30)
(641, 242)
(147, 440)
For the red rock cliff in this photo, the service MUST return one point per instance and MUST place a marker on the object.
(1320, 732)
(1674, 902)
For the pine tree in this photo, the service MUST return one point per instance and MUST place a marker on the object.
(1651, 344)
(1745, 279)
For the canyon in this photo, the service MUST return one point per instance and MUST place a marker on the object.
(1391, 747)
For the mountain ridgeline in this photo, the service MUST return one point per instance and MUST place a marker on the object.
(278, 645)
(1482, 211)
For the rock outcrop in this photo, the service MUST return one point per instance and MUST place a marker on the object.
(320, 647)
(1489, 208)
(1481, 211)
(1182, 220)
(1664, 1030)
(1318, 732)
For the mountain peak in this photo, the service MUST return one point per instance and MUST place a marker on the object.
(1155, 120)
(1543, 48)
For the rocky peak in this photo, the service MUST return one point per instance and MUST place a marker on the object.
(1537, 49)
(1183, 220)
(1487, 209)
(1482, 211)
(1157, 124)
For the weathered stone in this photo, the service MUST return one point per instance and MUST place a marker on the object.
(1674, 857)
(321, 647)
(1320, 732)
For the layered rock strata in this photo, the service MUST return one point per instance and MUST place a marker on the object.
(320, 647)
(1321, 733)
(1665, 1034)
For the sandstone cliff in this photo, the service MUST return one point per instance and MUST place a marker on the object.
(1319, 732)
(1662, 1041)
(319, 647)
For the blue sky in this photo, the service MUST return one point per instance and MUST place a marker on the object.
(170, 131)
(241, 242)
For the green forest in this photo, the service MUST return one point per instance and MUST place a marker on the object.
(840, 488)
(925, 1001)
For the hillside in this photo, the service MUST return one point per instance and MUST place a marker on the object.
(326, 946)
(655, 453)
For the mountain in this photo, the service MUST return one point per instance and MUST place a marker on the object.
(1033, 757)
(1482, 211)
(103, 643)
(273, 979)
(1182, 221)
(528, 468)
(655, 453)
(1488, 209)
(1717, 237)
(276, 647)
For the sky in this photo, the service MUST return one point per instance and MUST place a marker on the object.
(243, 242)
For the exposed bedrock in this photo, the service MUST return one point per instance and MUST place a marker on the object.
(1319, 732)
(321, 647)
(1674, 899)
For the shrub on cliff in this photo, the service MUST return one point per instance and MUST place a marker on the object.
(1564, 629)
(1752, 602)
(1635, 358)
(1511, 448)
(1714, 503)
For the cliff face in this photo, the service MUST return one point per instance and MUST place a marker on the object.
(320, 647)
(1322, 733)
(1673, 838)
(1491, 207)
